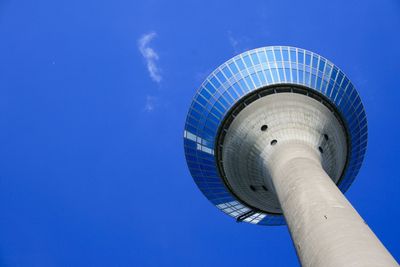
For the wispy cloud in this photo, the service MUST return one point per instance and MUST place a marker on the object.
(238, 44)
(150, 56)
(150, 104)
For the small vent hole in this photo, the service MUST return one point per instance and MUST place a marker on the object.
(320, 149)
(252, 188)
(264, 128)
(326, 137)
(273, 142)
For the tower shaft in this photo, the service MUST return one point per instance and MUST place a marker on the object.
(325, 228)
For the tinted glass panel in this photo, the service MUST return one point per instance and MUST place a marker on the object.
(255, 59)
(278, 54)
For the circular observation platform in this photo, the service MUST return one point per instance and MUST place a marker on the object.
(254, 103)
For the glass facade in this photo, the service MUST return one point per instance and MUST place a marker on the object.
(250, 71)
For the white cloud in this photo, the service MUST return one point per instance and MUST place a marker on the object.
(150, 104)
(238, 44)
(150, 55)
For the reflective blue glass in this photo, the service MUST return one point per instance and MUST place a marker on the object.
(255, 80)
(278, 56)
(227, 72)
(285, 54)
(240, 63)
(233, 67)
(255, 59)
(206, 114)
(215, 82)
(247, 61)
(270, 56)
(262, 77)
(293, 55)
(221, 77)
(275, 75)
(308, 59)
(315, 61)
(262, 56)
(300, 57)
(321, 65)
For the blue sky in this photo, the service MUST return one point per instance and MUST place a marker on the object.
(93, 98)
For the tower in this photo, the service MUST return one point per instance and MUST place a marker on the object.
(276, 135)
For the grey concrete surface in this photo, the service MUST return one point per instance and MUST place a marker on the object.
(296, 175)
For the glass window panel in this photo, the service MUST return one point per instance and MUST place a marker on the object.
(217, 109)
(301, 73)
(324, 84)
(308, 59)
(270, 56)
(278, 54)
(318, 83)
(195, 114)
(334, 73)
(198, 107)
(275, 75)
(307, 77)
(268, 74)
(238, 89)
(281, 75)
(213, 119)
(215, 82)
(227, 72)
(321, 65)
(287, 72)
(294, 75)
(313, 77)
(247, 61)
(262, 56)
(340, 78)
(205, 94)
(232, 92)
(192, 121)
(212, 127)
(315, 61)
(335, 90)
(243, 85)
(262, 77)
(249, 82)
(255, 79)
(233, 67)
(210, 88)
(300, 56)
(255, 59)
(221, 77)
(223, 102)
(328, 69)
(191, 128)
(285, 54)
(345, 83)
(292, 55)
(228, 98)
(240, 63)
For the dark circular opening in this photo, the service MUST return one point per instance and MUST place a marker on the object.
(326, 137)
(264, 128)
(273, 142)
(252, 188)
(265, 188)
(320, 149)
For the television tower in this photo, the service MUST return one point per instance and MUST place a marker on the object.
(276, 135)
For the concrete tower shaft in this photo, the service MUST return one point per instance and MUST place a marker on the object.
(284, 152)
(326, 230)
